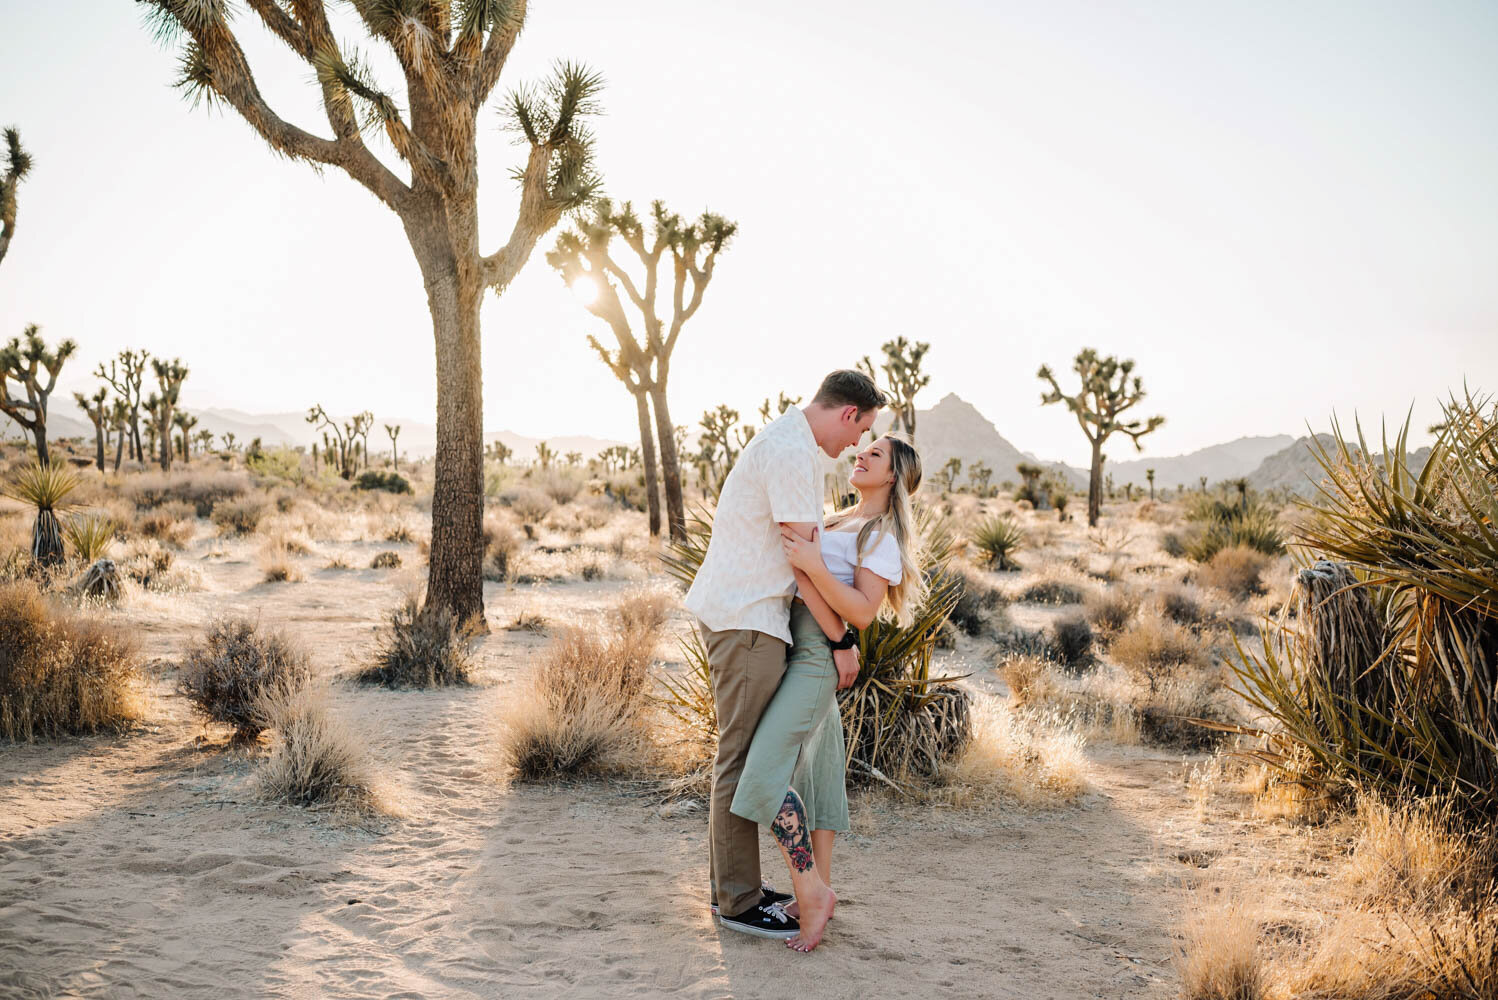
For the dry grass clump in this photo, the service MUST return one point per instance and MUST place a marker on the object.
(980, 605)
(1111, 608)
(153, 567)
(1221, 958)
(420, 647)
(277, 559)
(1095, 705)
(585, 710)
(233, 664)
(1417, 855)
(501, 547)
(1010, 758)
(1237, 571)
(1071, 643)
(60, 672)
(644, 610)
(172, 523)
(1152, 647)
(238, 516)
(386, 560)
(316, 758)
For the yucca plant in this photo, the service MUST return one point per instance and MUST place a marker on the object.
(88, 535)
(1397, 690)
(45, 487)
(898, 719)
(997, 538)
(1249, 521)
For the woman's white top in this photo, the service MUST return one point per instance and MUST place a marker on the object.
(840, 553)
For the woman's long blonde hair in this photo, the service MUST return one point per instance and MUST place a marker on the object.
(898, 519)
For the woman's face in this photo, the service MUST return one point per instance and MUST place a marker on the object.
(872, 467)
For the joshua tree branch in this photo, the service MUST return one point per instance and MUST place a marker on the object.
(496, 51)
(538, 213)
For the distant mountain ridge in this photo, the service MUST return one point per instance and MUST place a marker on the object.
(954, 428)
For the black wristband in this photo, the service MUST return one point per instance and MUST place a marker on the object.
(848, 641)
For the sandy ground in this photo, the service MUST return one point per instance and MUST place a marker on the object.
(140, 866)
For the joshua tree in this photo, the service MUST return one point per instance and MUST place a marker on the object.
(125, 375)
(1029, 483)
(614, 458)
(363, 424)
(18, 165)
(24, 361)
(119, 424)
(451, 53)
(1106, 393)
(625, 364)
(574, 459)
(342, 444)
(227, 440)
(720, 445)
(98, 415)
(1203, 481)
(395, 459)
(544, 455)
(583, 259)
(1150, 475)
(784, 403)
(184, 422)
(947, 474)
(204, 438)
(498, 451)
(979, 474)
(151, 432)
(162, 404)
(903, 377)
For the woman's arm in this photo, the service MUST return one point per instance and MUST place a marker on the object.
(831, 622)
(859, 604)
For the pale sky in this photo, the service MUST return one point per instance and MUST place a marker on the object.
(1280, 210)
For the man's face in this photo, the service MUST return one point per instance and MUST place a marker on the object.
(850, 428)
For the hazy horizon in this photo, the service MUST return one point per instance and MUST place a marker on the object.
(1279, 212)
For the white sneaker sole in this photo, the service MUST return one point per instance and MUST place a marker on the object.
(734, 925)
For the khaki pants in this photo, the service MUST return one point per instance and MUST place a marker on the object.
(746, 669)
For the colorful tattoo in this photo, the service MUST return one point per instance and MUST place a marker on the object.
(790, 829)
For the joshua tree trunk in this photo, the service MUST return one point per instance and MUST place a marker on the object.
(99, 446)
(647, 459)
(454, 579)
(1095, 484)
(39, 438)
(676, 513)
(119, 449)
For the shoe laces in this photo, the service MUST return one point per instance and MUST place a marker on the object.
(778, 912)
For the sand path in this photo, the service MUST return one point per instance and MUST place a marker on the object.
(138, 866)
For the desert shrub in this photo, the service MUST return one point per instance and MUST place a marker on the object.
(561, 485)
(1217, 525)
(60, 672)
(383, 480)
(199, 488)
(1220, 958)
(586, 709)
(591, 570)
(278, 463)
(239, 515)
(1151, 648)
(399, 531)
(1182, 607)
(501, 546)
(1024, 505)
(171, 524)
(420, 647)
(46, 488)
(1111, 608)
(1419, 854)
(88, 536)
(529, 504)
(998, 537)
(1071, 640)
(386, 560)
(226, 671)
(1237, 571)
(979, 605)
(315, 759)
(1172, 545)
(1050, 589)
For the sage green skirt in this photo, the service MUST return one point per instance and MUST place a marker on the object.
(799, 740)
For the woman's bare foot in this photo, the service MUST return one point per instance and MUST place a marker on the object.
(793, 909)
(818, 910)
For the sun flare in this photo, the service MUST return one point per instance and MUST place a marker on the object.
(585, 289)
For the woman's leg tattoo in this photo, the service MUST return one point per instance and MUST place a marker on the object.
(790, 829)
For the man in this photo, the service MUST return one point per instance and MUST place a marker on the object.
(741, 598)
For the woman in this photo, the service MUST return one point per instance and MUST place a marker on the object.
(862, 564)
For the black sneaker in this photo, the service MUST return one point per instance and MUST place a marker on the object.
(766, 921)
(767, 896)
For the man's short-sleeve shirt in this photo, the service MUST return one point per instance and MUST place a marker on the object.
(745, 581)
